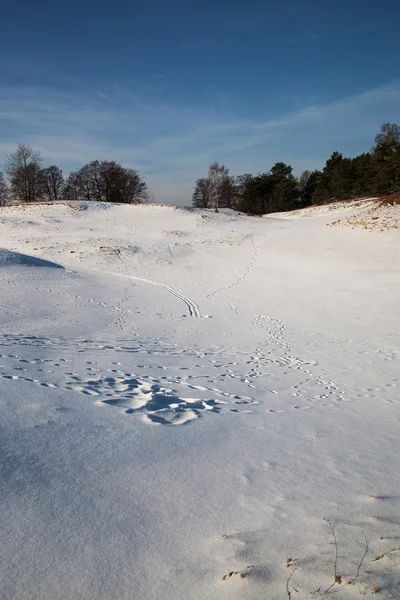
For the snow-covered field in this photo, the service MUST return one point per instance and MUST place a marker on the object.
(192, 404)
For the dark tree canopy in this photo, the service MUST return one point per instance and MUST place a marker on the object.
(386, 154)
(106, 181)
(269, 192)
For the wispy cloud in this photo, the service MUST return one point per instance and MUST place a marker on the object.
(172, 145)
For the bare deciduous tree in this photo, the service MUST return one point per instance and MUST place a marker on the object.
(202, 193)
(23, 169)
(106, 181)
(218, 190)
(388, 139)
(121, 185)
(303, 181)
(51, 183)
(4, 191)
(73, 187)
(227, 192)
(92, 175)
(217, 175)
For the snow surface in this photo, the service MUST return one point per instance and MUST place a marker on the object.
(150, 452)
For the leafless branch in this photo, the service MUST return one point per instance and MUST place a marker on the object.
(288, 591)
(338, 578)
(365, 547)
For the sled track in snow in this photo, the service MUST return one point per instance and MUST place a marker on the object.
(192, 307)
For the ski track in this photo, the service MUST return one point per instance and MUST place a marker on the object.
(192, 307)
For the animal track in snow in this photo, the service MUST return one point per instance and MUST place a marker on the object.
(217, 373)
(242, 277)
(143, 395)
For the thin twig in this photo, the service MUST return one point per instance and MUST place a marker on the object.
(338, 578)
(335, 541)
(223, 531)
(386, 554)
(365, 546)
(289, 593)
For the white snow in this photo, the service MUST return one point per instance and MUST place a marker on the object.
(186, 396)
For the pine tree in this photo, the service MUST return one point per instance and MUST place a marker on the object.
(363, 174)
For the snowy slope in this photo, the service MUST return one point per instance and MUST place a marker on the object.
(186, 396)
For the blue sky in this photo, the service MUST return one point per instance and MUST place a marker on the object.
(167, 88)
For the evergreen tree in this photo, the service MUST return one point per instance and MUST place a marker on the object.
(335, 180)
(285, 192)
(256, 193)
(269, 192)
(363, 174)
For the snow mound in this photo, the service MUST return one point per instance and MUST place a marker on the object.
(8, 258)
(367, 213)
(325, 210)
(374, 217)
(94, 206)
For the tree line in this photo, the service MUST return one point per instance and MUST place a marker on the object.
(374, 172)
(105, 181)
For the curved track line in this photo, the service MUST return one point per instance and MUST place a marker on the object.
(193, 309)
